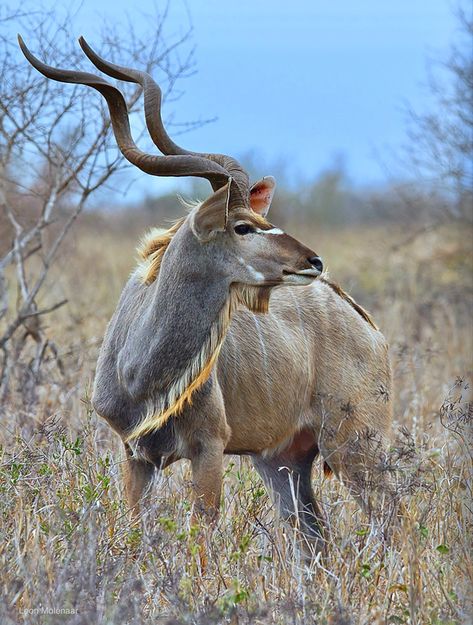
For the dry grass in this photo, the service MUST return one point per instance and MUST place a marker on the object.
(66, 543)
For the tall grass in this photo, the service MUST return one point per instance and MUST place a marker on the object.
(69, 554)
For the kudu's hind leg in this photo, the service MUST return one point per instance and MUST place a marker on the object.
(287, 475)
(137, 475)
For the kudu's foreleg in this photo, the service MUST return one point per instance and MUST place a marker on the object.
(207, 472)
(137, 475)
(287, 475)
(206, 434)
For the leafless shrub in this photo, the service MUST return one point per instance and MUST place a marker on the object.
(56, 151)
(440, 144)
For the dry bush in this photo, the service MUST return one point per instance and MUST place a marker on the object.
(56, 151)
(440, 143)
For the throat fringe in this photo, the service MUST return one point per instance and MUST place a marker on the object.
(181, 392)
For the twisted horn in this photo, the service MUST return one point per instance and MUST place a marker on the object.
(152, 104)
(180, 164)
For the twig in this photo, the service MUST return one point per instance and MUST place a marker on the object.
(44, 311)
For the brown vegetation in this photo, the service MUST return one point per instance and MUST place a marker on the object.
(66, 541)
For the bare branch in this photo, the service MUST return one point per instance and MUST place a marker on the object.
(45, 311)
(56, 150)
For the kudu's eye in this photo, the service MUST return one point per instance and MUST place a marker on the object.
(244, 229)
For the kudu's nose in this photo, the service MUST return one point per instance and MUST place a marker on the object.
(316, 262)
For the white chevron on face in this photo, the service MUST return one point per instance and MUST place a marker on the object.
(271, 231)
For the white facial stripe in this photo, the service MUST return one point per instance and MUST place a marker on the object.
(271, 231)
(256, 275)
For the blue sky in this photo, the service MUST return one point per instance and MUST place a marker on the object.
(301, 80)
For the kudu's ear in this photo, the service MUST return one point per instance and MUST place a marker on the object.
(261, 195)
(212, 215)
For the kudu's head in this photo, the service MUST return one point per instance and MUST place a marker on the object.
(252, 251)
(230, 227)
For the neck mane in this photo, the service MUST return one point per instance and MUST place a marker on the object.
(179, 394)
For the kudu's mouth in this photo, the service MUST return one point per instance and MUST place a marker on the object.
(303, 277)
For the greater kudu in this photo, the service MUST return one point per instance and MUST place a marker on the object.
(206, 355)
